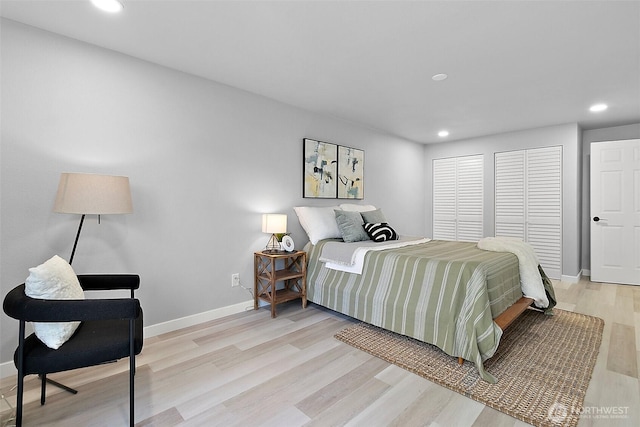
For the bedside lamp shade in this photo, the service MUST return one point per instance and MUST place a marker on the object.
(274, 224)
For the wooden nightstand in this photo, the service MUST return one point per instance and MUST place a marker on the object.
(271, 268)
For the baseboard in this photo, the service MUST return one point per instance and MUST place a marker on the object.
(8, 368)
(586, 273)
(195, 319)
(572, 279)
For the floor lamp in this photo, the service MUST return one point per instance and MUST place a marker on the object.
(91, 194)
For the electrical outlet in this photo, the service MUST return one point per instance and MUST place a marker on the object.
(235, 279)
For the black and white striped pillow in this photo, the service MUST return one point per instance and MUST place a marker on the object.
(380, 232)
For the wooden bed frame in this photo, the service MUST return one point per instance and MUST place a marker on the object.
(509, 315)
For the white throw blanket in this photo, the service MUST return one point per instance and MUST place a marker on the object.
(349, 257)
(530, 279)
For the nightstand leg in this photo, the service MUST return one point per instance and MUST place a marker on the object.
(256, 260)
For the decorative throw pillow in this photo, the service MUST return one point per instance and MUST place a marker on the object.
(373, 217)
(54, 279)
(350, 225)
(319, 223)
(380, 232)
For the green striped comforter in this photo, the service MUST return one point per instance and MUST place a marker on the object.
(442, 293)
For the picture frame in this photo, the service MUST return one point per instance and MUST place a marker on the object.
(320, 169)
(350, 173)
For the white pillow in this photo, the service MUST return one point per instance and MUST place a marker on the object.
(357, 208)
(54, 279)
(319, 223)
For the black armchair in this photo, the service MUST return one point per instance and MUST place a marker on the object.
(111, 329)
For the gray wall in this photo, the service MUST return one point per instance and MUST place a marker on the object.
(568, 136)
(205, 161)
(588, 136)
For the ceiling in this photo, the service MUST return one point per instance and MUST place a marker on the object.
(512, 65)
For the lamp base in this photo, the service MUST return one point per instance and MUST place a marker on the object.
(273, 246)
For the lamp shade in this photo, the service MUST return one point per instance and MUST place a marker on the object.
(82, 193)
(274, 223)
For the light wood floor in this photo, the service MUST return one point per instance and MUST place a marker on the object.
(250, 370)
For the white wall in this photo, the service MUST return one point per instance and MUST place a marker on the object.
(204, 160)
(567, 136)
(588, 136)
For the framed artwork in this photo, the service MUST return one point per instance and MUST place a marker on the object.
(350, 173)
(320, 169)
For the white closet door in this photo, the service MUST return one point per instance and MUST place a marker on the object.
(510, 194)
(458, 198)
(470, 198)
(529, 202)
(444, 199)
(544, 207)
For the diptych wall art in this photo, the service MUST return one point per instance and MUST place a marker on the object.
(332, 171)
(350, 173)
(320, 169)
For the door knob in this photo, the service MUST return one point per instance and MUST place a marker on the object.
(597, 218)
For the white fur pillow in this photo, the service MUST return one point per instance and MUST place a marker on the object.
(54, 279)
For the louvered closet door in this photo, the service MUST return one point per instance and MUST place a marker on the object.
(529, 202)
(544, 207)
(444, 199)
(510, 194)
(458, 198)
(470, 198)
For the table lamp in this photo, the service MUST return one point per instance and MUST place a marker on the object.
(276, 224)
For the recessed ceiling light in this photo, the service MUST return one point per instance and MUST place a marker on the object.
(439, 77)
(443, 133)
(111, 6)
(598, 107)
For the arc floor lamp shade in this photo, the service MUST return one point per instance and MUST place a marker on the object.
(82, 193)
(89, 194)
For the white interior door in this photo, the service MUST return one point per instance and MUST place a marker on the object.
(615, 212)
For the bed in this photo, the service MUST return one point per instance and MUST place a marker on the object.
(449, 294)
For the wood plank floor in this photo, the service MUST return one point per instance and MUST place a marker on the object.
(251, 370)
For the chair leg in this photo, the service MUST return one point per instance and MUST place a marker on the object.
(131, 396)
(43, 388)
(132, 371)
(19, 400)
(19, 397)
(62, 386)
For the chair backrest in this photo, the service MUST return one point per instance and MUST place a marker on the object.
(22, 307)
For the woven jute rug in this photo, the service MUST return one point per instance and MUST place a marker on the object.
(543, 364)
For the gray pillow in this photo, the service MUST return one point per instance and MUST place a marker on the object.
(350, 226)
(373, 217)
